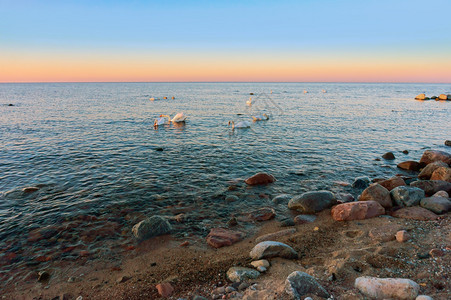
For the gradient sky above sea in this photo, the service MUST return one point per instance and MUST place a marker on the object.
(299, 41)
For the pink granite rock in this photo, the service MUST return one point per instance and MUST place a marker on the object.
(357, 210)
(220, 237)
(260, 178)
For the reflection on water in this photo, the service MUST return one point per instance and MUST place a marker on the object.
(101, 167)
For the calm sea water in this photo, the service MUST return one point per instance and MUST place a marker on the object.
(91, 149)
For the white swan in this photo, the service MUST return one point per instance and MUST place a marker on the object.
(240, 125)
(162, 120)
(180, 117)
(249, 102)
(263, 117)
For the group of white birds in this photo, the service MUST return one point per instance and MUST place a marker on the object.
(166, 120)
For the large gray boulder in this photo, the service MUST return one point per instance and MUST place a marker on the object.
(151, 227)
(312, 202)
(407, 195)
(270, 249)
(438, 205)
(430, 187)
(299, 284)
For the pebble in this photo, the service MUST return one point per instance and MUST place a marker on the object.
(43, 276)
(423, 297)
(79, 298)
(260, 263)
(299, 284)
(261, 269)
(402, 236)
(387, 288)
(437, 252)
(165, 289)
(123, 279)
(238, 274)
(269, 249)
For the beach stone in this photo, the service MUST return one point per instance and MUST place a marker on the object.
(344, 197)
(441, 194)
(384, 233)
(436, 252)
(238, 274)
(421, 97)
(430, 187)
(151, 227)
(312, 202)
(410, 165)
(123, 279)
(260, 178)
(442, 173)
(393, 182)
(376, 192)
(443, 97)
(427, 171)
(299, 284)
(388, 156)
(361, 182)
(165, 289)
(260, 263)
(221, 237)
(448, 142)
(262, 214)
(415, 213)
(438, 205)
(43, 276)
(429, 156)
(275, 235)
(270, 249)
(283, 198)
(387, 288)
(231, 198)
(423, 297)
(304, 219)
(407, 195)
(357, 210)
(30, 189)
(402, 236)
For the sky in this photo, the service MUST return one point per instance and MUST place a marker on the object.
(211, 41)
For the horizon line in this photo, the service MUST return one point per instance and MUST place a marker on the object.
(381, 82)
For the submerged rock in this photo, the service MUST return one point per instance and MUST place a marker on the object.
(299, 284)
(429, 156)
(270, 249)
(388, 156)
(387, 288)
(220, 237)
(283, 198)
(357, 210)
(426, 173)
(407, 195)
(361, 182)
(260, 178)
(438, 205)
(30, 189)
(376, 192)
(410, 165)
(151, 227)
(312, 202)
(238, 274)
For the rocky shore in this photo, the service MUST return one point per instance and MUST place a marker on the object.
(392, 242)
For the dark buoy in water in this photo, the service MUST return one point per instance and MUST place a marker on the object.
(159, 149)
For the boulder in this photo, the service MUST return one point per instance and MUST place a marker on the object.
(260, 178)
(438, 205)
(430, 187)
(361, 182)
(357, 210)
(387, 288)
(448, 142)
(270, 249)
(283, 198)
(420, 97)
(344, 197)
(376, 192)
(275, 235)
(426, 173)
(407, 195)
(262, 214)
(442, 173)
(415, 213)
(151, 227)
(388, 156)
(429, 156)
(443, 97)
(220, 237)
(312, 202)
(393, 182)
(298, 284)
(238, 274)
(410, 165)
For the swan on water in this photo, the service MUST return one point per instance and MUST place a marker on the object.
(162, 120)
(180, 117)
(263, 117)
(240, 125)
(249, 102)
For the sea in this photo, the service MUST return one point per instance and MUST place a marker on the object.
(94, 164)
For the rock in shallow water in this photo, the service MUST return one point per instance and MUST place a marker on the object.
(270, 249)
(387, 288)
(376, 192)
(299, 284)
(238, 274)
(407, 195)
(388, 156)
(283, 198)
(312, 202)
(151, 227)
(429, 156)
(260, 178)
(410, 165)
(262, 214)
(357, 211)
(361, 182)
